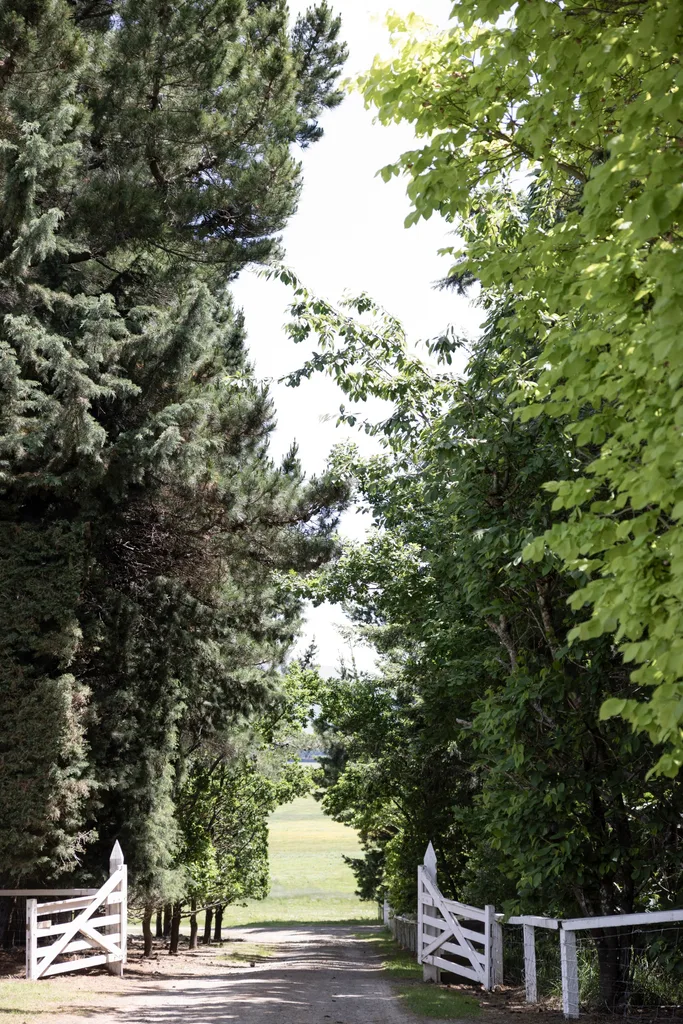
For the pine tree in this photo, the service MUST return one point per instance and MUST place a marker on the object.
(146, 160)
(46, 386)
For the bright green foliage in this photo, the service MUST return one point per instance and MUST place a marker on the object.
(231, 784)
(146, 158)
(481, 731)
(223, 810)
(584, 101)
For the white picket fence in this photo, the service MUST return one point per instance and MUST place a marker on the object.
(468, 941)
(402, 927)
(101, 925)
(568, 959)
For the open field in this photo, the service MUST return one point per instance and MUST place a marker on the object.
(310, 881)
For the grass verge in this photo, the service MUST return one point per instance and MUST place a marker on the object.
(310, 881)
(440, 1002)
(30, 1002)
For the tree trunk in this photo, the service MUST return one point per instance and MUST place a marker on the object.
(147, 930)
(193, 925)
(167, 920)
(207, 926)
(218, 925)
(614, 964)
(175, 928)
(160, 924)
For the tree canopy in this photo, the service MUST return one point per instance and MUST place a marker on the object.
(523, 581)
(552, 143)
(535, 746)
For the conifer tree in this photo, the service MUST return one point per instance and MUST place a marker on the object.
(147, 158)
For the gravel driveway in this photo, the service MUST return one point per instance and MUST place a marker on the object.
(319, 975)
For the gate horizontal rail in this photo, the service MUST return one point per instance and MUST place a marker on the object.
(100, 926)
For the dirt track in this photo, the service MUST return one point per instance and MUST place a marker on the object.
(319, 975)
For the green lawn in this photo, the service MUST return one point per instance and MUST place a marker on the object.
(310, 881)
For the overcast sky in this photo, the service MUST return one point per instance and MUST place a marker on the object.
(348, 235)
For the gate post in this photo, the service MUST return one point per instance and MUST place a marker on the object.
(493, 933)
(424, 931)
(115, 862)
(496, 951)
(31, 939)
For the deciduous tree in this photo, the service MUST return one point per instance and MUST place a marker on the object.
(482, 731)
(581, 100)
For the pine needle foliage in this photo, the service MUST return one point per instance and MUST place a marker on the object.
(146, 159)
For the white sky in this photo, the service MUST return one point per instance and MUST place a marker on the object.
(348, 235)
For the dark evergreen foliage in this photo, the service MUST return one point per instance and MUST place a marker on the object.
(146, 159)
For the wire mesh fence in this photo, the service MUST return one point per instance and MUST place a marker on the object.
(548, 973)
(12, 921)
(634, 972)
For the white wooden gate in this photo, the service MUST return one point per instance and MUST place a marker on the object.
(101, 925)
(477, 944)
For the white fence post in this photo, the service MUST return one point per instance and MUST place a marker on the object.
(493, 933)
(385, 912)
(116, 862)
(429, 971)
(570, 973)
(530, 963)
(418, 944)
(31, 939)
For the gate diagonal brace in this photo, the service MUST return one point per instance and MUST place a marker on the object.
(101, 940)
(76, 925)
(453, 930)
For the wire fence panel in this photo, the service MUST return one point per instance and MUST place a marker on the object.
(548, 975)
(635, 973)
(632, 972)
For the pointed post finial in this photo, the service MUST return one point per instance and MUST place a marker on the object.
(429, 863)
(116, 860)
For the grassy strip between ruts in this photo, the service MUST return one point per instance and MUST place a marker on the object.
(436, 1001)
